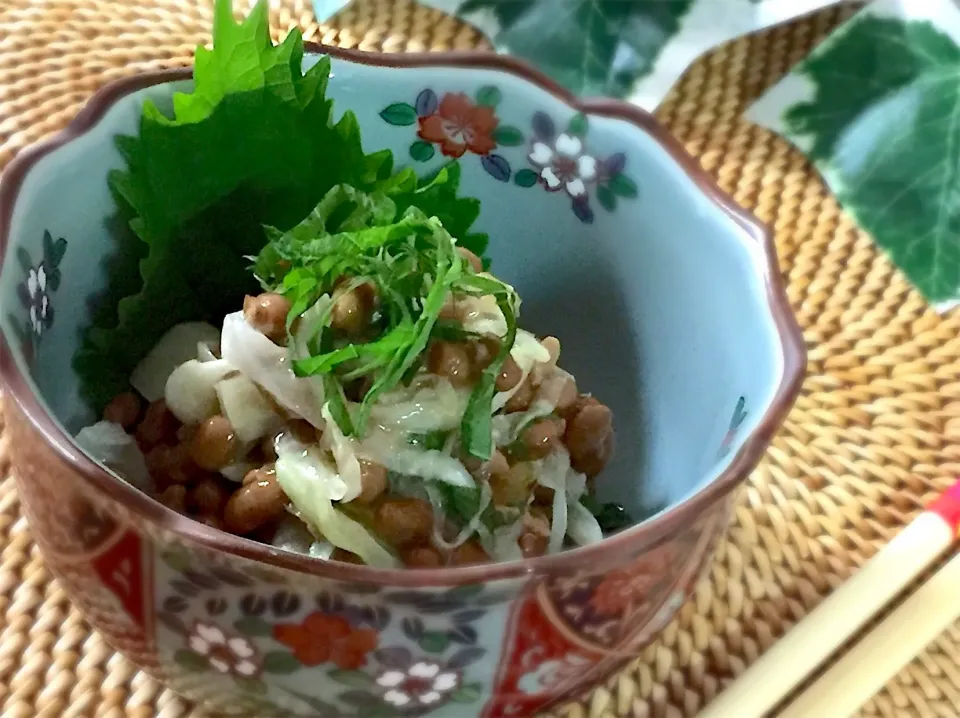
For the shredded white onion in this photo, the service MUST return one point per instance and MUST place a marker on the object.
(502, 544)
(177, 345)
(555, 472)
(250, 414)
(268, 365)
(527, 352)
(321, 549)
(582, 526)
(205, 353)
(344, 450)
(392, 450)
(311, 485)
(190, 392)
(430, 406)
(237, 470)
(311, 321)
(109, 444)
(482, 315)
(558, 523)
(311, 465)
(292, 535)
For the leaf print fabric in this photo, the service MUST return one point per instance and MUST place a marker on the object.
(876, 107)
(631, 49)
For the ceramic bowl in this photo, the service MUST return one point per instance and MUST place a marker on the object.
(670, 308)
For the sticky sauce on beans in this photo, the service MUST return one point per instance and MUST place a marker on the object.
(214, 444)
(267, 313)
(259, 500)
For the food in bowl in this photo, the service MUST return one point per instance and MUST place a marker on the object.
(376, 403)
(374, 399)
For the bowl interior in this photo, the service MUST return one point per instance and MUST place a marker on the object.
(654, 291)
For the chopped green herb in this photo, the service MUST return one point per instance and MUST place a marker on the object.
(612, 517)
(463, 502)
(476, 428)
(352, 237)
(433, 441)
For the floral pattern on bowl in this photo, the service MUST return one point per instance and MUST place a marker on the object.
(459, 125)
(40, 282)
(736, 421)
(247, 640)
(415, 654)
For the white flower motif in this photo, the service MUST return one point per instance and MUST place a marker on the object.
(424, 683)
(37, 299)
(232, 654)
(240, 647)
(445, 682)
(396, 698)
(210, 634)
(391, 679)
(424, 670)
(564, 166)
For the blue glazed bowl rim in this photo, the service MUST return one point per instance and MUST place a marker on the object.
(630, 542)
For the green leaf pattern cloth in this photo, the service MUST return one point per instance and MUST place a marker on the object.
(877, 109)
(631, 49)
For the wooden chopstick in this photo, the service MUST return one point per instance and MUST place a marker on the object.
(814, 639)
(879, 656)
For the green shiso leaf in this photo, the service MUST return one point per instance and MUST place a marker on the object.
(253, 144)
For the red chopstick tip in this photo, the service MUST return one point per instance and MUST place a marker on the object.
(947, 506)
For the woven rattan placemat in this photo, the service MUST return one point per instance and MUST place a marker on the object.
(874, 435)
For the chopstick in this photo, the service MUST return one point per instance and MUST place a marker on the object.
(815, 638)
(879, 656)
